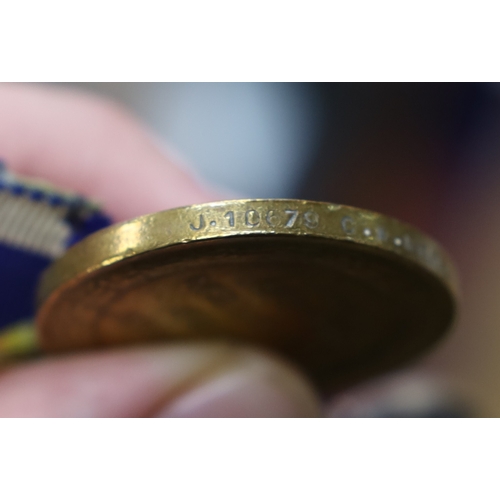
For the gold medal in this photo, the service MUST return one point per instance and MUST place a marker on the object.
(343, 293)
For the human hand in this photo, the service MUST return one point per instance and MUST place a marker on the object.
(95, 148)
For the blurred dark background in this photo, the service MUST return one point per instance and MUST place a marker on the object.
(426, 153)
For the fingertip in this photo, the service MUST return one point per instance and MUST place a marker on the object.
(249, 384)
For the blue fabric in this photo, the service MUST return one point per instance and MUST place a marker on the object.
(82, 229)
(19, 273)
(20, 269)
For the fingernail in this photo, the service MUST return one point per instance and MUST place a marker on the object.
(252, 385)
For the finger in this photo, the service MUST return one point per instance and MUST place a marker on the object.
(93, 147)
(409, 393)
(174, 381)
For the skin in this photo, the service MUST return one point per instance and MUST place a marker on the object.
(95, 148)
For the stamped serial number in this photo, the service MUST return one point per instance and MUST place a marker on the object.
(350, 226)
(287, 218)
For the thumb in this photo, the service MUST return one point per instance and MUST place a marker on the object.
(197, 380)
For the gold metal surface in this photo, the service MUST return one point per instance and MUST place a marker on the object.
(344, 293)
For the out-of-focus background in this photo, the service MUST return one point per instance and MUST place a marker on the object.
(426, 153)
